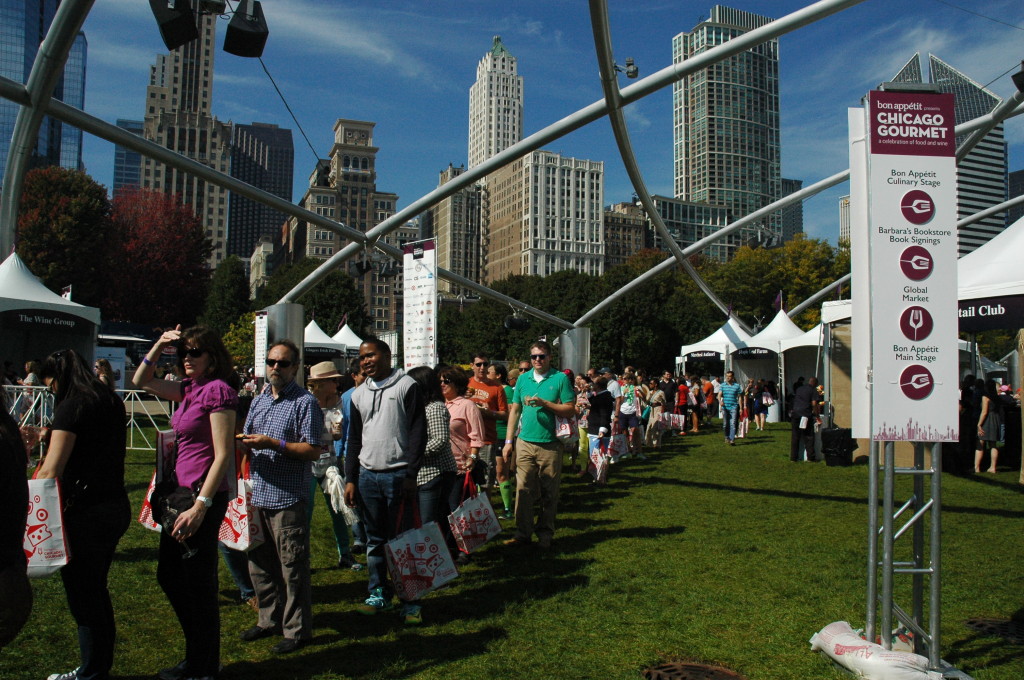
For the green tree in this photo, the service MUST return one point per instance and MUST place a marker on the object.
(162, 275)
(328, 302)
(229, 295)
(64, 232)
(240, 339)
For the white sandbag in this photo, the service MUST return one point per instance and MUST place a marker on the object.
(867, 659)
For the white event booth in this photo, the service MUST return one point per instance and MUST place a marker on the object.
(716, 347)
(319, 346)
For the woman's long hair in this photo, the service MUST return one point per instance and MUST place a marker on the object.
(72, 375)
(501, 370)
(203, 338)
(428, 382)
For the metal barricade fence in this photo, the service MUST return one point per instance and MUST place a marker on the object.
(33, 406)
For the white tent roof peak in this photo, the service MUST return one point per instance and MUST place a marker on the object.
(779, 330)
(347, 336)
(812, 338)
(723, 340)
(993, 270)
(314, 336)
(20, 288)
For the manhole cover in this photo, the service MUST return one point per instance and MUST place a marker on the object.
(1011, 631)
(690, 671)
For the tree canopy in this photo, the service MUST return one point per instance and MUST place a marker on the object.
(330, 300)
(229, 295)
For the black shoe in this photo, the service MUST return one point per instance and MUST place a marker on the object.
(288, 645)
(358, 549)
(255, 633)
(174, 672)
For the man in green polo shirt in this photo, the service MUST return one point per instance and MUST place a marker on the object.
(540, 396)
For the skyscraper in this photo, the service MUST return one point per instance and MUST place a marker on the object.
(726, 120)
(127, 163)
(981, 175)
(261, 155)
(1015, 187)
(495, 105)
(23, 25)
(792, 214)
(178, 117)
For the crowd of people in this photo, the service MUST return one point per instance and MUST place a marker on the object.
(383, 447)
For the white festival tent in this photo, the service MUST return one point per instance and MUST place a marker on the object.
(35, 321)
(717, 346)
(319, 345)
(759, 357)
(347, 336)
(994, 270)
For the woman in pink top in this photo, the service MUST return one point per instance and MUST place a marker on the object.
(204, 428)
(467, 432)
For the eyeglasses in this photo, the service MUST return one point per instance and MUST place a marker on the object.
(446, 381)
(480, 363)
(538, 357)
(282, 363)
(194, 352)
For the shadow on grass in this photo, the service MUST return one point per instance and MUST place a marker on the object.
(989, 481)
(995, 652)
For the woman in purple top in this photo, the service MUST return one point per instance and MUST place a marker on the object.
(204, 426)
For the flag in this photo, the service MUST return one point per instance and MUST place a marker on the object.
(778, 304)
(65, 292)
(344, 320)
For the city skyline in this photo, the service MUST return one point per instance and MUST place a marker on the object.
(420, 76)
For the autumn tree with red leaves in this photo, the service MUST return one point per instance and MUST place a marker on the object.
(160, 274)
(64, 232)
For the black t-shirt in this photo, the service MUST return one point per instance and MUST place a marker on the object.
(670, 388)
(804, 396)
(95, 469)
(13, 502)
(601, 407)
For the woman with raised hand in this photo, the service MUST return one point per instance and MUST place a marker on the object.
(86, 452)
(204, 426)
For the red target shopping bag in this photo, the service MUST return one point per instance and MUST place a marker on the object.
(473, 523)
(418, 560)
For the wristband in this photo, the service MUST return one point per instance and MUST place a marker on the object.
(508, 441)
(146, 361)
(205, 500)
(283, 445)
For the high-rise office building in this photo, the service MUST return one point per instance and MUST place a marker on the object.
(981, 175)
(625, 229)
(1015, 188)
(343, 187)
(844, 218)
(23, 25)
(261, 155)
(726, 120)
(792, 214)
(688, 222)
(546, 216)
(455, 227)
(495, 105)
(178, 117)
(127, 163)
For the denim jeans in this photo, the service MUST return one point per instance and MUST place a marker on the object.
(729, 418)
(237, 563)
(93, 533)
(380, 495)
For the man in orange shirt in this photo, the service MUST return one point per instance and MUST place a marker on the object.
(490, 399)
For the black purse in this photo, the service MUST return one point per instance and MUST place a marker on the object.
(169, 500)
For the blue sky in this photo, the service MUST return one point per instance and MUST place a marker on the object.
(408, 65)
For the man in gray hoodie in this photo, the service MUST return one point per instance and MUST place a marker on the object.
(386, 439)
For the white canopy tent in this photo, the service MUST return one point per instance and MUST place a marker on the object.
(35, 321)
(320, 346)
(758, 357)
(717, 346)
(993, 270)
(347, 336)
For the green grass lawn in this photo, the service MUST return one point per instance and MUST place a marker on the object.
(704, 552)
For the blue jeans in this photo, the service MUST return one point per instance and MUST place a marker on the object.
(237, 563)
(380, 495)
(729, 418)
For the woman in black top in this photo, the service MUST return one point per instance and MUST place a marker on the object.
(15, 591)
(86, 453)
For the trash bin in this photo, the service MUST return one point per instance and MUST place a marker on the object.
(838, 445)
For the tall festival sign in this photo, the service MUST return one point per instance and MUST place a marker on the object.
(904, 251)
(419, 273)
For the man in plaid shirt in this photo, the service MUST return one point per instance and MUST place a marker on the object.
(283, 431)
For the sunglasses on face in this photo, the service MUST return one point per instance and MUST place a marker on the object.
(281, 363)
(193, 352)
(480, 363)
(538, 357)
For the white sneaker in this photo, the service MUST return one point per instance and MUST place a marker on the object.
(70, 675)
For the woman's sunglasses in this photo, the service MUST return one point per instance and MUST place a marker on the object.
(194, 352)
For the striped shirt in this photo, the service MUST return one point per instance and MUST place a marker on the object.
(730, 395)
(294, 416)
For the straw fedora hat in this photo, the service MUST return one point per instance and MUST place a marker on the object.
(325, 370)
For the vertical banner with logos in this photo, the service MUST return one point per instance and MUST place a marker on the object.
(419, 273)
(912, 254)
(261, 332)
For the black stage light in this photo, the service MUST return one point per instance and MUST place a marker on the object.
(247, 31)
(1018, 78)
(176, 21)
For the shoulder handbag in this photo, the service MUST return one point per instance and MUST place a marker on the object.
(168, 499)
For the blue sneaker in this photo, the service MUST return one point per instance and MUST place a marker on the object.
(376, 602)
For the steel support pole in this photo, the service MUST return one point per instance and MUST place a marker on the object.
(935, 547)
(872, 581)
(888, 495)
(917, 578)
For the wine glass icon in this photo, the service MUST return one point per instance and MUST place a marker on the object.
(916, 323)
(916, 320)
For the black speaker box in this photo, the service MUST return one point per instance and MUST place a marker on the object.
(177, 25)
(246, 37)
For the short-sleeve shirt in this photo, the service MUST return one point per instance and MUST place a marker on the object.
(94, 472)
(492, 397)
(191, 423)
(731, 394)
(538, 423)
(501, 426)
(294, 416)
